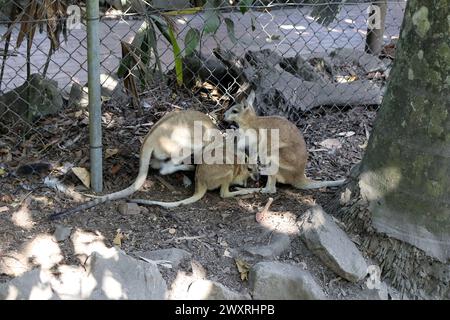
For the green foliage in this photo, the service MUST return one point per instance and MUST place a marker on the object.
(191, 41)
(244, 5)
(143, 51)
(326, 11)
(230, 29)
(177, 56)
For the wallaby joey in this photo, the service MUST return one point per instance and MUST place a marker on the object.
(217, 175)
(289, 153)
(211, 177)
(170, 141)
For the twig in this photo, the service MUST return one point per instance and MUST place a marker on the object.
(260, 215)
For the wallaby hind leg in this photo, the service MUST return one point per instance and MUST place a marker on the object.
(226, 193)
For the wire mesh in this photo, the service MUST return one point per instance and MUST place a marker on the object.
(160, 55)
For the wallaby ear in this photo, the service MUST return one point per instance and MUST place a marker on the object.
(250, 99)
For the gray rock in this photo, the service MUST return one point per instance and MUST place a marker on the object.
(29, 286)
(110, 274)
(368, 62)
(122, 277)
(382, 292)
(78, 96)
(174, 256)
(32, 100)
(281, 281)
(211, 290)
(129, 208)
(111, 88)
(332, 245)
(62, 233)
(280, 243)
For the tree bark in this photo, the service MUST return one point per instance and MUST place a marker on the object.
(405, 173)
(398, 201)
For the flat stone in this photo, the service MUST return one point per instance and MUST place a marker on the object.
(29, 286)
(118, 276)
(62, 233)
(129, 208)
(280, 243)
(211, 290)
(332, 245)
(110, 274)
(282, 281)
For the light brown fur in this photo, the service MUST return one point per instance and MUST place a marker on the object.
(292, 152)
(164, 138)
(211, 177)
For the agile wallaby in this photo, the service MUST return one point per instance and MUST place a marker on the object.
(292, 154)
(217, 175)
(172, 135)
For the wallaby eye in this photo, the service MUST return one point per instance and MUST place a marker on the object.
(234, 111)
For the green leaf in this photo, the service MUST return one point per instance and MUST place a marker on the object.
(177, 57)
(230, 30)
(244, 5)
(212, 22)
(326, 14)
(191, 41)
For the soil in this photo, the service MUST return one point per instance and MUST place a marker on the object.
(220, 224)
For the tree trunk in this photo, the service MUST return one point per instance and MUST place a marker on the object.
(375, 31)
(404, 178)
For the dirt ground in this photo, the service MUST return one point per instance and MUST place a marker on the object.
(216, 224)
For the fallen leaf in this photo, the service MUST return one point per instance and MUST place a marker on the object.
(4, 209)
(331, 144)
(115, 168)
(83, 175)
(6, 198)
(243, 268)
(346, 134)
(2, 172)
(118, 238)
(110, 152)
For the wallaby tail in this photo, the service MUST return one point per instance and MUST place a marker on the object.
(312, 184)
(144, 163)
(199, 193)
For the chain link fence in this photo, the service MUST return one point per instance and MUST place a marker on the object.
(298, 56)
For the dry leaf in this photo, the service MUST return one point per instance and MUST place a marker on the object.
(118, 238)
(83, 175)
(243, 268)
(4, 209)
(6, 198)
(115, 168)
(110, 152)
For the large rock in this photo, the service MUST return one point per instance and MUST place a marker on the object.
(32, 285)
(332, 245)
(119, 276)
(210, 290)
(280, 243)
(109, 275)
(281, 281)
(32, 100)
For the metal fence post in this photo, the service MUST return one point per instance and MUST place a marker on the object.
(95, 104)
